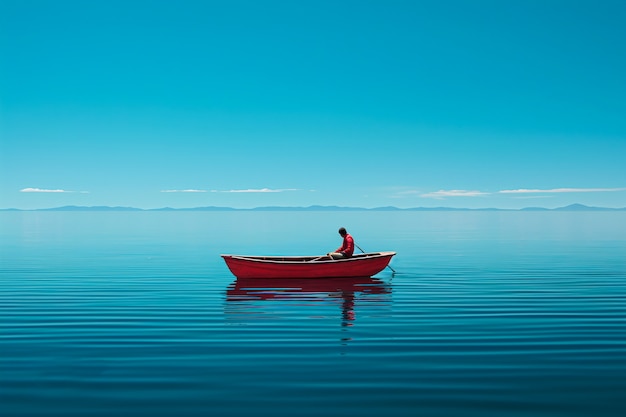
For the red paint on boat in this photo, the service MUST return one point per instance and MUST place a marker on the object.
(360, 265)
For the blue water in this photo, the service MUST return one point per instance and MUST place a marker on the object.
(489, 314)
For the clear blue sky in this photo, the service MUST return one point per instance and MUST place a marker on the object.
(355, 103)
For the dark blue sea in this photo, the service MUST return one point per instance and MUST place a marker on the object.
(488, 314)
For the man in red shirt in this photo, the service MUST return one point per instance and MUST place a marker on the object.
(346, 249)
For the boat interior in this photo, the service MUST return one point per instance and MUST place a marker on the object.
(310, 258)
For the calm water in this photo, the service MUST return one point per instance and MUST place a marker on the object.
(489, 314)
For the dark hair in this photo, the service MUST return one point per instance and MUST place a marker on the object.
(342, 231)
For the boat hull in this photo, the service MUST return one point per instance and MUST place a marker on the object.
(361, 265)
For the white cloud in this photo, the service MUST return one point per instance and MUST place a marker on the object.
(409, 192)
(252, 190)
(561, 190)
(453, 193)
(42, 190)
(523, 191)
(184, 191)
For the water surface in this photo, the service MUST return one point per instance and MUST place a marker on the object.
(490, 314)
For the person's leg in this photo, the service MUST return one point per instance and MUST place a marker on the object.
(337, 255)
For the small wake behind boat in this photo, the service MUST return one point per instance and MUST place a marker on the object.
(359, 265)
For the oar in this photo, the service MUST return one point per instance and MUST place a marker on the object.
(392, 270)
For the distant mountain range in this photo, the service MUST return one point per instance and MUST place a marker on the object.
(572, 207)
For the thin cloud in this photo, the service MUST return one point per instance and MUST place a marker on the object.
(453, 193)
(259, 190)
(183, 191)
(43, 190)
(409, 192)
(561, 190)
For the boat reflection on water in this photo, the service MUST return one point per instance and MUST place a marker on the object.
(255, 292)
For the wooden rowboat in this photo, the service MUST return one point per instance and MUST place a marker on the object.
(359, 265)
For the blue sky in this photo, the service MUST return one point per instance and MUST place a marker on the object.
(355, 103)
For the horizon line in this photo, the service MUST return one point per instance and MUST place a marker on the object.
(574, 206)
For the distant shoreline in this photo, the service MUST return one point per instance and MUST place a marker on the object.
(571, 207)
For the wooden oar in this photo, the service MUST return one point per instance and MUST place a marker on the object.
(392, 270)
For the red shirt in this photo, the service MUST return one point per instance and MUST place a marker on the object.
(347, 248)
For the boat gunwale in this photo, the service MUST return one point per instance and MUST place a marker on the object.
(298, 260)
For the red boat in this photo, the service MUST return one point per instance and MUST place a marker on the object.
(359, 265)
